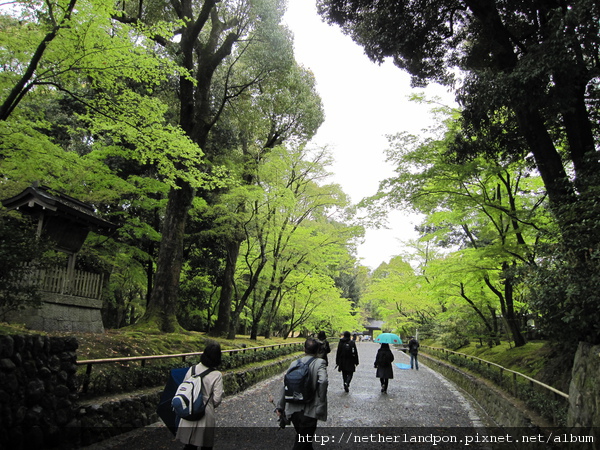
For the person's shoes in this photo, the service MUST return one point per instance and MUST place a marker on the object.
(346, 387)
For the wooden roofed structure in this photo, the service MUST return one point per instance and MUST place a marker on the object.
(72, 298)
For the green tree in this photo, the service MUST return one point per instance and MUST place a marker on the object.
(282, 108)
(78, 115)
(287, 229)
(222, 48)
(395, 294)
(532, 63)
(489, 207)
(536, 59)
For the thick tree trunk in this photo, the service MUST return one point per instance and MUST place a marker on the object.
(223, 323)
(548, 161)
(163, 301)
(511, 320)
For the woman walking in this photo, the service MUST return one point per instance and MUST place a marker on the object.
(324, 347)
(383, 364)
(201, 433)
(346, 359)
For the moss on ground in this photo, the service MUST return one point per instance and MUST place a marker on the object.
(536, 359)
(136, 342)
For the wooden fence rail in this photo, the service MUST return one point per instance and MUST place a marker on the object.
(57, 280)
(515, 375)
(142, 359)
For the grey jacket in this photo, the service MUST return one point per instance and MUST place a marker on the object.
(317, 407)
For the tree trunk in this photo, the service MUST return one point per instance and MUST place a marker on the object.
(163, 301)
(223, 323)
(472, 304)
(511, 320)
(507, 307)
(255, 327)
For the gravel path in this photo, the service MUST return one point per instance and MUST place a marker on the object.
(418, 403)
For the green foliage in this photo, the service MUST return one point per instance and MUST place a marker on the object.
(94, 117)
(565, 294)
(529, 108)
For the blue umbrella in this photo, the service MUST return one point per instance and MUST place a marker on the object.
(388, 338)
(164, 409)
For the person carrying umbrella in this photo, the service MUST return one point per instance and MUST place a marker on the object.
(201, 433)
(346, 359)
(383, 364)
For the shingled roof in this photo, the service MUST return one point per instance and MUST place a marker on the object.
(36, 200)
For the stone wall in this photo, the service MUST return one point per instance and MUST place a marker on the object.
(504, 410)
(38, 390)
(102, 419)
(40, 407)
(63, 313)
(97, 421)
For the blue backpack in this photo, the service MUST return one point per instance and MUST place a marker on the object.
(188, 402)
(298, 384)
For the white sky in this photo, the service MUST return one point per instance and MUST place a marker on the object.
(363, 103)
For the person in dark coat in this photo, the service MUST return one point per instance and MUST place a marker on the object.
(346, 359)
(413, 349)
(383, 364)
(324, 347)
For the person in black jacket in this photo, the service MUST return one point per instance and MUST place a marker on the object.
(346, 359)
(383, 364)
(413, 349)
(324, 347)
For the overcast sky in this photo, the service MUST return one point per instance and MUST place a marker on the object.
(363, 103)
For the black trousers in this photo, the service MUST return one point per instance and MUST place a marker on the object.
(347, 377)
(305, 430)
(384, 383)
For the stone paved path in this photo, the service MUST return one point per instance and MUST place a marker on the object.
(417, 403)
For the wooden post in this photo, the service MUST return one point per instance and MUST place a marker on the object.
(86, 379)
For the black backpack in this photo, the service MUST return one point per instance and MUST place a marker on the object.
(347, 349)
(298, 383)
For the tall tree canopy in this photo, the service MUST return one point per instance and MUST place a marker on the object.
(221, 47)
(525, 73)
(536, 58)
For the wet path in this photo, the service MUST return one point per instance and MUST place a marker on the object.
(416, 400)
